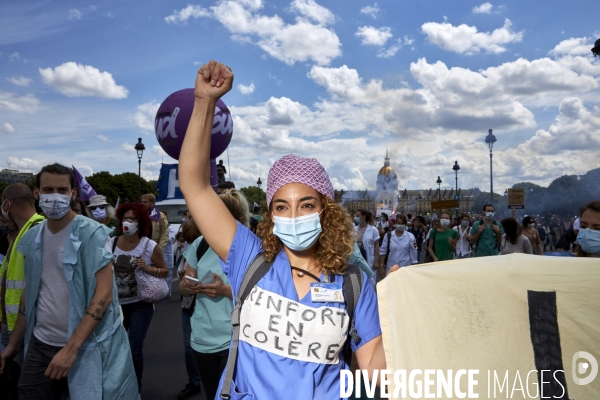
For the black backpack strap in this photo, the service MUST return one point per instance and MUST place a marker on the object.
(353, 282)
(114, 244)
(387, 253)
(257, 269)
(201, 249)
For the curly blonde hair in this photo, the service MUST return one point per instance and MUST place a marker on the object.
(335, 244)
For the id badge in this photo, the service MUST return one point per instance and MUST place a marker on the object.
(326, 292)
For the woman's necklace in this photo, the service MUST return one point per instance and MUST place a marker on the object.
(301, 272)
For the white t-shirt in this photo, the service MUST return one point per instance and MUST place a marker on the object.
(52, 314)
(125, 263)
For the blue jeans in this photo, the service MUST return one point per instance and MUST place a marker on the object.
(186, 324)
(136, 320)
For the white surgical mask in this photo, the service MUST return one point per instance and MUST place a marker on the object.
(129, 227)
(99, 214)
(464, 223)
(489, 215)
(400, 227)
(5, 213)
(357, 220)
(55, 205)
(444, 222)
(532, 225)
(298, 233)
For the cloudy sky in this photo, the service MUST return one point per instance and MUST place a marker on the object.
(337, 80)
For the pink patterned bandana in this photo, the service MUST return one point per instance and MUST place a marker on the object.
(294, 169)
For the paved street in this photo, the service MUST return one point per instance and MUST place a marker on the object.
(164, 365)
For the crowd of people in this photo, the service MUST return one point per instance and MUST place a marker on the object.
(272, 303)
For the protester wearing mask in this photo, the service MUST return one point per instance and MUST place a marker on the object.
(399, 247)
(132, 250)
(98, 208)
(306, 238)
(513, 241)
(463, 245)
(159, 231)
(367, 237)
(530, 232)
(18, 210)
(486, 233)
(211, 320)
(589, 230)
(419, 231)
(69, 317)
(442, 240)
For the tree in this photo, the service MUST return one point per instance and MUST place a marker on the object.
(123, 185)
(255, 195)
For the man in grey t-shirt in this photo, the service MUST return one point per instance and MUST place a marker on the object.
(69, 272)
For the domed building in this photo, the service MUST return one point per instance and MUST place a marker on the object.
(387, 186)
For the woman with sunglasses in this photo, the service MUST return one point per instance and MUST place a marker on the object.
(290, 338)
(98, 210)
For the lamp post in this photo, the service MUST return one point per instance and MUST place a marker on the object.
(490, 140)
(456, 167)
(139, 148)
(596, 48)
(258, 183)
(439, 182)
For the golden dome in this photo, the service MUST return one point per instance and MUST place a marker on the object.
(386, 170)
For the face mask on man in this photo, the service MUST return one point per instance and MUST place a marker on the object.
(444, 222)
(99, 213)
(129, 227)
(489, 215)
(55, 205)
(357, 220)
(589, 240)
(464, 223)
(298, 233)
(5, 213)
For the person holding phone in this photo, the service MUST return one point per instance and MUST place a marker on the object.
(211, 319)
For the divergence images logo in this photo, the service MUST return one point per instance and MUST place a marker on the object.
(582, 367)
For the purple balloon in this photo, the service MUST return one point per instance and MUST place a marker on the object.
(173, 117)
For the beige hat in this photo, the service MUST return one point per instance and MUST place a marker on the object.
(98, 200)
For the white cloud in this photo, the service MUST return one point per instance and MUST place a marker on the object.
(313, 11)
(374, 36)
(85, 170)
(23, 164)
(19, 80)
(290, 43)
(77, 80)
(7, 128)
(283, 111)
(246, 89)
(26, 104)
(182, 16)
(104, 138)
(74, 14)
(144, 116)
(465, 39)
(389, 52)
(371, 11)
(128, 147)
(485, 8)
(14, 57)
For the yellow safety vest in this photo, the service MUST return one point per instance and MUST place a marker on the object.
(15, 277)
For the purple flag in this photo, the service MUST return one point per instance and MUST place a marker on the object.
(86, 191)
(154, 214)
(256, 205)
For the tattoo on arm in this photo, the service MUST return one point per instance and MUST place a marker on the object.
(97, 314)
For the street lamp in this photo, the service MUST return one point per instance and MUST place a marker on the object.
(596, 48)
(456, 167)
(439, 182)
(139, 147)
(490, 140)
(258, 183)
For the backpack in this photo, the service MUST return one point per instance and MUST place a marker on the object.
(353, 282)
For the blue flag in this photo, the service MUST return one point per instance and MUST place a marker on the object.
(168, 183)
